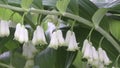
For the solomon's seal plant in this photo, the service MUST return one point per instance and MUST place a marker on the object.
(59, 34)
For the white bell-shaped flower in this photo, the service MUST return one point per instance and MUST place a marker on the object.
(100, 54)
(85, 43)
(4, 28)
(29, 50)
(94, 53)
(106, 59)
(73, 45)
(17, 31)
(21, 33)
(67, 39)
(88, 51)
(39, 36)
(60, 38)
(53, 42)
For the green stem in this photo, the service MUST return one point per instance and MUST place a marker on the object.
(69, 15)
(5, 65)
(100, 43)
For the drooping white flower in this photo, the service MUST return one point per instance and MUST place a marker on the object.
(60, 38)
(18, 29)
(87, 51)
(106, 59)
(39, 36)
(4, 28)
(100, 54)
(29, 50)
(94, 53)
(68, 35)
(103, 56)
(73, 45)
(53, 42)
(85, 43)
(21, 33)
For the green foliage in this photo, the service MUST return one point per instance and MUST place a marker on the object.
(98, 16)
(62, 5)
(26, 3)
(115, 29)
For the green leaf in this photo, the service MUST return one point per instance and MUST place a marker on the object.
(62, 5)
(5, 14)
(11, 45)
(115, 29)
(74, 7)
(16, 18)
(46, 58)
(86, 9)
(38, 3)
(26, 3)
(98, 16)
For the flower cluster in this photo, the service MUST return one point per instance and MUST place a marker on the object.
(95, 58)
(21, 33)
(4, 28)
(58, 40)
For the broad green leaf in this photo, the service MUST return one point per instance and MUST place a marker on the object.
(86, 9)
(38, 3)
(18, 61)
(16, 18)
(98, 16)
(46, 59)
(5, 14)
(78, 61)
(115, 29)
(62, 5)
(74, 7)
(26, 3)
(11, 45)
